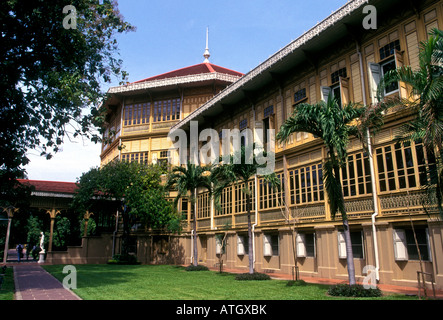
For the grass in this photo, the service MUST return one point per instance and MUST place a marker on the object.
(164, 282)
(7, 290)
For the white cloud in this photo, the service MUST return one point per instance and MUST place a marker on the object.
(67, 165)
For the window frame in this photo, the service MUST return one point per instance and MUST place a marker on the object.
(305, 249)
(382, 73)
(136, 114)
(343, 91)
(351, 180)
(271, 245)
(342, 254)
(306, 185)
(166, 110)
(404, 247)
(141, 157)
(242, 245)
(398, 154)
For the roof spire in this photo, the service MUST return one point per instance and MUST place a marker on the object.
(206, 53)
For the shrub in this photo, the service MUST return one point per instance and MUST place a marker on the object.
(296, 283)
(123, 259)
(252, 276)
(345, 290)
(196, 268)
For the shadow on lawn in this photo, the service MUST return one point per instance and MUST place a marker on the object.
(89, 276)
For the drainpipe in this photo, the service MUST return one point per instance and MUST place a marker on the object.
(121, 131)
(371, 165)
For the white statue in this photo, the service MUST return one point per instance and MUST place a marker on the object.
(42, 239)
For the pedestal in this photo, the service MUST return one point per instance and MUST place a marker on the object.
(42, 257)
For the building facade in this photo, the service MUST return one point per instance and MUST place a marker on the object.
(140, 114)
(294, 227)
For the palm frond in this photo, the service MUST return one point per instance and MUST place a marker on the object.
(334, 190)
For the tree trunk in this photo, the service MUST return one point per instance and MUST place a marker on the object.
(349, 254)
(194, 226)
(347, 233)
(418, 250)
(125, 235)
(250, 251)
(294, 252)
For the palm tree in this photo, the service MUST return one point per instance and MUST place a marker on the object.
(187, 180)
(426, 103)
(334, 125)
(242, 170)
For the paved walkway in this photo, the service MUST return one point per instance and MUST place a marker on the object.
(32, 282)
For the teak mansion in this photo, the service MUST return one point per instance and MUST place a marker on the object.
(293, 227)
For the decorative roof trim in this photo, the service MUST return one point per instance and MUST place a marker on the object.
(336, 16)
(51, 194)
(174, 81)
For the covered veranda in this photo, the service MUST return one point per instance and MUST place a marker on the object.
(50, 197)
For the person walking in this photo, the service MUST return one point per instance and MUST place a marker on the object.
(19, 251)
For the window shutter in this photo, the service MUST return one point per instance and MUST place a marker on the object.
(154, 158)
(374, 79)
(341, 245)
(240, 246)
(344, 91)
(259, 134)
(267, 247)
(315, 245)
(300, 241)
(325, 92)
(429, 245)
(400, 249)
(218, 245)
(363, 245)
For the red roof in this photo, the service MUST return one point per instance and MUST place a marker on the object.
(51, 186)
(196, 69)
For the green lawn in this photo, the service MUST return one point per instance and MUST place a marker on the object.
(162, 282)
(7, 290)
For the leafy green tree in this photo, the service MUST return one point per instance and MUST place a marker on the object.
(426, 104)
(136, 191)
(187, 180)
(334, 125)
(52, 76)
(91, 229)
(62, 231)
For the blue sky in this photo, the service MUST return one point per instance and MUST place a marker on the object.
(171, 34)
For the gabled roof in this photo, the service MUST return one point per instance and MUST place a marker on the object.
(193, 70)
(190, 76)
(51, 186)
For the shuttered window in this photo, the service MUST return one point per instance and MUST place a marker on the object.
(405, 247)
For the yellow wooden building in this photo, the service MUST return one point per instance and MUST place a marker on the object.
(140, 114)
(338, 56)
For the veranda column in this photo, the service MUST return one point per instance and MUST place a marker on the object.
(10, 212)
(86, 217)
(52, 213)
